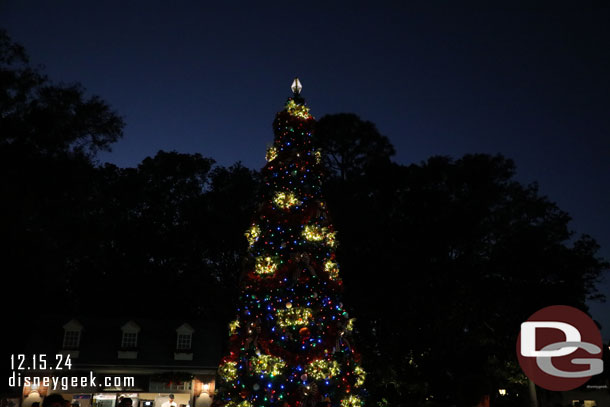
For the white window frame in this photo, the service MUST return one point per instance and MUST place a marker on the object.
(71, 339)
(187, 339)
(129, 340)
(130, 328)
(72, 334)
(183, 332)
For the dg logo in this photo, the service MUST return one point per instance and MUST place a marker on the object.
(559, 348)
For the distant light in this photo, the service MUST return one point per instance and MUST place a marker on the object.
(502, 392)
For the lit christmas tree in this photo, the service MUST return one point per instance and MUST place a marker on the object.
(290, 345)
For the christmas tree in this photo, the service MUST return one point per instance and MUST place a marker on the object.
(290, 345)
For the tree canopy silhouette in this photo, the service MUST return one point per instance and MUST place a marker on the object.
(350, 144)
(447, 258)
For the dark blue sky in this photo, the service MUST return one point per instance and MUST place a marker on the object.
(192, 76)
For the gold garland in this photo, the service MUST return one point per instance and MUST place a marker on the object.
(360, 375)
(286, 200)
(228, 371)
(233, 325)
(314, 233)
(271, 154)
(351, 401)
(244, 403)
(323, 369)
(297, 110)
(265, 265)
(294, 316)
(318, 156)
(253, 234)
(268, 365)
(332, 269)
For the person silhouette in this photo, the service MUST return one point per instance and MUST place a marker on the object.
(170, 402)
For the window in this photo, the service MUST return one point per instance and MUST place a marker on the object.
(129, 335)
(71, 339)
(72, 334)
(184, 341)
(130, 340)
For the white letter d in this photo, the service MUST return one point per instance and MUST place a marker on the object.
(528, 338)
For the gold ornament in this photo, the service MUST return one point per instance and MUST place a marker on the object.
(228, 371)
(331, 239)
(318, 156)
(297, 110)
(286, 200)
(332, 269)
(323, 369)
(268, 365)
(253, 234)
(314, 233)
(351, 401)
(244, 403)
(294, 316)
(271, 154)
(233, 325)
(265, 265)
(360, 375)
(350, 325)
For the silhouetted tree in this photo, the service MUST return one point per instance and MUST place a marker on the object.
(350, 144)
(48, 136)
(475, 253)
(170, 230)
(40, 118)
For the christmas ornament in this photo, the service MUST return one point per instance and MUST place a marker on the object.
(305, 333)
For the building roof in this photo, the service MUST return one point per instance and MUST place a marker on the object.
(100, 341)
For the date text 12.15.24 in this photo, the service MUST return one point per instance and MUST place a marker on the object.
(39, 362)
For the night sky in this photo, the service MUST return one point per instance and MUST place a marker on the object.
(530, 83)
